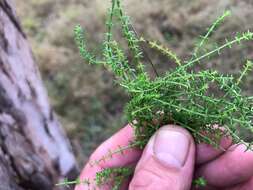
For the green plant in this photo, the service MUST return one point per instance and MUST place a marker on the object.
(117, 175)
(182, 96)
(200, 182)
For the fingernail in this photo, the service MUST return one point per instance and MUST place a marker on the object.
(171, 148)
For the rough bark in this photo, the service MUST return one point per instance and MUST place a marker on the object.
(34, 151)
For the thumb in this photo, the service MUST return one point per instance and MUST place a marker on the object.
(167, 161)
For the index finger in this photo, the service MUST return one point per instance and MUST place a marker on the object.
(105, 156)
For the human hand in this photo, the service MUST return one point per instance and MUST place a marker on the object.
(171, 160)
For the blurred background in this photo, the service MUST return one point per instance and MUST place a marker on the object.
(86, 99)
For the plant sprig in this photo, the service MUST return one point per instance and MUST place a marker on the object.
(182, 96)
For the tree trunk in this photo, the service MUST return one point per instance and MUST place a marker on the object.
(34, 151)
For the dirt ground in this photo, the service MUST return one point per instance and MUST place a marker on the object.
(85, 97)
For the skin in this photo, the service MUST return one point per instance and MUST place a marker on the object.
(223, 170)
